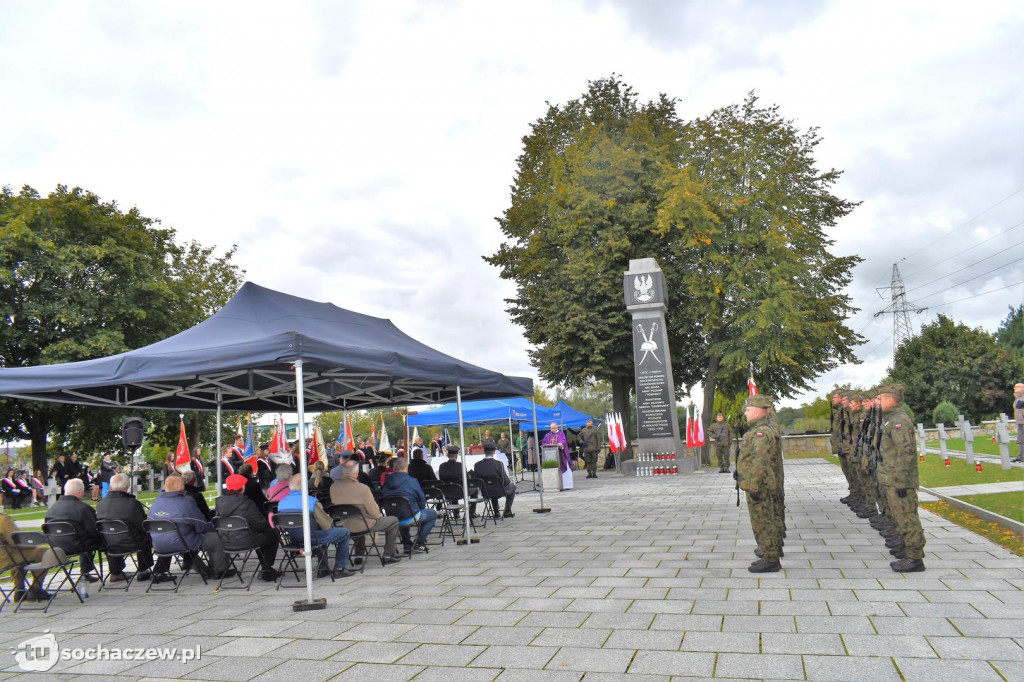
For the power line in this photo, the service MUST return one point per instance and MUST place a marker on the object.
(998, 203)
(872, 351)
(987, 272)
(956, 255)
(965, 267)
(943, 305)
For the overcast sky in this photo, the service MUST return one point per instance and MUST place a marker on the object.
(358, 152)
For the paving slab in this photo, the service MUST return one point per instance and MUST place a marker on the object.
(638, 579)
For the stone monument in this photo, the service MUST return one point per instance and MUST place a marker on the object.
(660, 450)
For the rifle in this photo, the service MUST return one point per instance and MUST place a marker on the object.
(876, 444)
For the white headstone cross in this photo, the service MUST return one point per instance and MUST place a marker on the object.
(943, 437)
(922, 439)
(1003, 438)
(968, 436)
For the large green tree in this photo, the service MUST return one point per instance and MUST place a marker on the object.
(80, 279)
(733, 208)
(1010, 334)
(950, 361)
(584, 203)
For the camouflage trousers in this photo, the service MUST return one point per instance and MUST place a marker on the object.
(591, 460)
(850, 482)
(904, 513)
(723, 457)
(765, 522)
(870, 496)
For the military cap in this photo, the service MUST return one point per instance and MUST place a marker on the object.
(453, 449)
(759, 400)
(857, 396)
(894, 389)
(489, 447)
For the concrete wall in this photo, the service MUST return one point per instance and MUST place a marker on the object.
(813, 444)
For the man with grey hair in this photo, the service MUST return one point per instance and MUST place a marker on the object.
(348, 490)
(82, 517)
(322, 530)
(120, 505)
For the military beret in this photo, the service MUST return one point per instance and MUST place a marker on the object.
(894, 389)
(759, 400)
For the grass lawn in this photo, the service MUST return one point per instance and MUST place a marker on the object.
(992, 531)
(1010, 505)
(935, 474)
(984, 446)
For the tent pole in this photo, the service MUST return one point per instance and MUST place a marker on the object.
(540, 460)
(467, 526)
(511, 447)
(307, 548)
(216, 456)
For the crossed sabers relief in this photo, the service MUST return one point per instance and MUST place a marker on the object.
(649, 347)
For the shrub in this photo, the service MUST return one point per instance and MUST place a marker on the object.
(945, 413)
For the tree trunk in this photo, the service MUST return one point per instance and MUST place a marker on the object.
(620, 402)
(38, 427)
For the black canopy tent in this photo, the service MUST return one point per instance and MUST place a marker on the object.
(269, 351)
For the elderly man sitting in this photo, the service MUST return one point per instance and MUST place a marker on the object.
(174, 505)
(11, 556)
(322, 530)
(87, 539)
(120, 505)
(234, 503)
(348, 490)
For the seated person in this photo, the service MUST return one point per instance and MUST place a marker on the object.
(14, 497)
(234, 503)
(10, 555)
(420, 470)
(87, 540)
(193, 491)
(322, 530)
(401, 483)
(451, 472)
(349, 490)
(120, 505)
(279, 487)
(174, 505)
(489, 467)
(319, 481)
(252, 486)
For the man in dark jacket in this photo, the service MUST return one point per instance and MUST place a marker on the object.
(193, 491)
(234, 503)
(451, 472)
(491, 468)
(59, 471)
(420, 470)
(87, 539)
(120, 505)
(399, 482)
(174, 505)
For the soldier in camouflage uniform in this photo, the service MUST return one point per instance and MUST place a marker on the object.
(589, 443)
(861, 450)
(756, 466)
(838, 446)
(721, 436)
(897, 476)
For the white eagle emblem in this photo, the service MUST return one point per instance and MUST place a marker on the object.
(643, 285)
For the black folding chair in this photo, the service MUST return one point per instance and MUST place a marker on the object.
(239, 540)
(196, 559)
(292, 548)
(478, 489)
(119, 542)
(64, 534)
(33, 539)
(354, 512)
(401, 508)
(492, 489)
(436, 499)
(14, 560)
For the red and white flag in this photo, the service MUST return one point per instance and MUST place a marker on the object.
(613, 440)
(698, 428)
(689, 429)
(182, 457)
(750, 381)
(619, 433)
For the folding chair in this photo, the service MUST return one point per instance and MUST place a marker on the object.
(436, 499)
(401, 508)
(14, 560)
(492, 489)
(453, 497)
(354, 512)
(33, 539)
(157, 526)
(118, 541)
(481, 496)
(239, 540)
(292, 548)
(64, 534)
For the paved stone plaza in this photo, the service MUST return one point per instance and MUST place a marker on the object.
(638, 579)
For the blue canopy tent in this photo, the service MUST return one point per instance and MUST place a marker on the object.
(517, 410)
(269, 351)
(564, 414)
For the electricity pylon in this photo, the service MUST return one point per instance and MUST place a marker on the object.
(900, 308)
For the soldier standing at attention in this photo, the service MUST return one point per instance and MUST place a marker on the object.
(897, 474)
(588, 440)
(838, 445)
(721, 436)
(756, 474)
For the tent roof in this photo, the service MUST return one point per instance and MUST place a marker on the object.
(481, 411)
(246, 351)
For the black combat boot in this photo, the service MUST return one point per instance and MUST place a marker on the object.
(899, 552)
(907, 565)
(765, 566)
(846, 500)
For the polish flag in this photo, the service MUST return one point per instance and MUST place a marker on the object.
(751, 385)
(182, 458)
(698, 428)
(612, 438)
(619, 434)
(689, 429)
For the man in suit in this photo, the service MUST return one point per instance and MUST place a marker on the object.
(489, 467)
(451, 472)
(82, 516)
